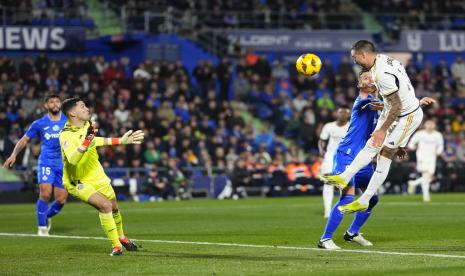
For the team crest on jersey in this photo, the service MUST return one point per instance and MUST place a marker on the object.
(65, 144)
(80, 186)
(56, 128)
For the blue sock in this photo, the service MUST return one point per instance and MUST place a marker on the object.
(361, 217)
(336, 216)
(41, 210)
(54, 209)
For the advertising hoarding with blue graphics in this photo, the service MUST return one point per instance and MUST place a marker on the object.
(297, 41)
(430, 41)
(21, 38)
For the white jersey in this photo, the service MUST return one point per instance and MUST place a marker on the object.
(390, 77)
(334, 134)
(428, 145)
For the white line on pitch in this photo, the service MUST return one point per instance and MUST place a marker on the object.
(251, 246)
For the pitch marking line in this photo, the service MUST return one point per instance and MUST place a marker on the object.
(251, 246)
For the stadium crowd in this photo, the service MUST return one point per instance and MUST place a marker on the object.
(396, 16)
(63, 13)
(296, 14)
(192, 127)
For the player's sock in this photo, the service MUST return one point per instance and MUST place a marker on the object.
(415, 182)
(363, 158)
(41, 210)
(361, 217)
(425, 184)
(109, 226)
(328, 195)
(380, 174)
(335, 217)
(55, 208)
(119, 223)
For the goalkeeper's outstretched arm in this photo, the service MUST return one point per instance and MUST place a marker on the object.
(130, 137)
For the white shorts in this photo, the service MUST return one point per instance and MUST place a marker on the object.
(426, 165)
(400, 131)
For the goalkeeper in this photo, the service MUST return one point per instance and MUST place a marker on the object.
(83, 175)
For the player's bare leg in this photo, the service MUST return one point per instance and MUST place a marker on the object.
(127, 243)
(61, 195)
(45, 193)
(104, 206)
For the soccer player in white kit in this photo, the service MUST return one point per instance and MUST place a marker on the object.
(331, 134)
(399, 119)
(428, 144)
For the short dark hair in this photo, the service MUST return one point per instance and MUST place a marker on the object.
(51, 96)
(69, 104)
(364, 45)
(343, 106)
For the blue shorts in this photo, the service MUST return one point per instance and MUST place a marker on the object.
(47, 174)
(361, 179)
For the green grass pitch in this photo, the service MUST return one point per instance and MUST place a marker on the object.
(288, 229)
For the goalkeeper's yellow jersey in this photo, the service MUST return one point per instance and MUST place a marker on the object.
(88, 169)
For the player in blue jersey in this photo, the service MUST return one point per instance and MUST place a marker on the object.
(362, 124)
(50, 166)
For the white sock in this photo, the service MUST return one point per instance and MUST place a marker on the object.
(425, 188)
(328, 195)
(380, 174)
(416, 182)
(363, 158)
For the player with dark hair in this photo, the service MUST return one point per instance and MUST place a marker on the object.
(362, 123)
(83, 175)
(400, 118)
(50, 167)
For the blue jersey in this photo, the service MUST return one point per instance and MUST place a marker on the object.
(362, 124)
(48, 132)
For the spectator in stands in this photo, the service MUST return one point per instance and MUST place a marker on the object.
(190, 128)
(458, 72)
(157, 186)
(240, 177)
(298, 173)
(223, 74)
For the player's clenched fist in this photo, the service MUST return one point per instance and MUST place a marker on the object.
(131, 137)
(9, 162)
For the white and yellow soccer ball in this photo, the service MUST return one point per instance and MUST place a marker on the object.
(308, 64)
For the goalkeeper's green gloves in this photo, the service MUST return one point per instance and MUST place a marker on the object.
(90, 135)
(131, 137)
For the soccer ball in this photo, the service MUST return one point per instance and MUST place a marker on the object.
(308, 64)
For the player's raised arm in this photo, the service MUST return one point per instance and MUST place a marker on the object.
(32, 132)
(130, 137)
(72, 149)
(427, 101)
(22, 143)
